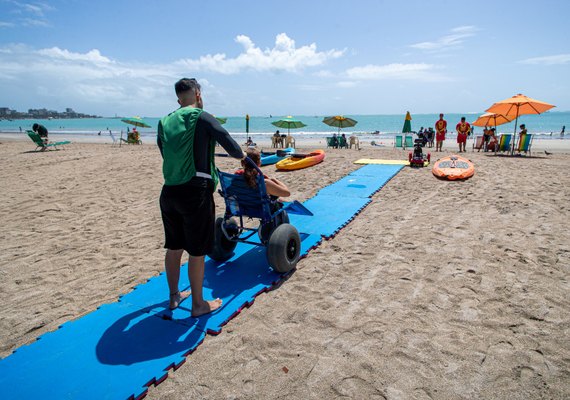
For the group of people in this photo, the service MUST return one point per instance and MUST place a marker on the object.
(427, 136)
(338, 141)
(463, 129)
(186, 139)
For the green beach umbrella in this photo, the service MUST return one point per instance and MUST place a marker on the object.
(221, 120)
(407, 123)
(288, 122)
(340, 122)
(136, 121)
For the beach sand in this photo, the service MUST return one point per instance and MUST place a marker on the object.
(436, 290)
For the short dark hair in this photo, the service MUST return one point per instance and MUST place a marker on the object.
(186, 84)
(35, 127)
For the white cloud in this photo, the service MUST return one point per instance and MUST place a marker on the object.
(57, 53)
(324, 74)
(284, 56)
(4, 24)
(94, 83)
(419, 72)
(548, 60)
(28, 14)
(453, 40)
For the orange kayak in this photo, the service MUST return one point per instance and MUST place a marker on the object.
(453, 168)
(298, 161)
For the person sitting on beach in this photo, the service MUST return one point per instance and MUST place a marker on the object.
(135, 136)
(523, 130)
(276, 139)
(440, 131)
(273, 186)
(249, 142)
(41, 131)
(463, 128)
(334, 141)
(493, 142)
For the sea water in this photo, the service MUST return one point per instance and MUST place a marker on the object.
(547, 125)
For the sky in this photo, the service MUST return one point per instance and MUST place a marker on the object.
(122, 57)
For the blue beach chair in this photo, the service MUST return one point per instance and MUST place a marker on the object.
(282, 239)
(408, 142)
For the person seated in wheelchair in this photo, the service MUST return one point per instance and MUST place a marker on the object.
(274, 187)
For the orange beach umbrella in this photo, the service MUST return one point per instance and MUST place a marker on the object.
(519, 105)
(491, 119)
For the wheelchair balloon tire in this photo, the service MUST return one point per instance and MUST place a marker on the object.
(284, 248)
(223, 247)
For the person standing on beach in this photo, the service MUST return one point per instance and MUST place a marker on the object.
(440, 131)
(186, 139)
(561, 132)
(463, 128)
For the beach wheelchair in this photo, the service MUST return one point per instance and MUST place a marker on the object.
(417, 158)
(274, 231)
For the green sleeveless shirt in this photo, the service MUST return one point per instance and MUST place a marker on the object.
(176, 132)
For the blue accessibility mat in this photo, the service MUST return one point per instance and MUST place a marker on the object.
(236, 281)
(120, 349)
(115, 352)
(330, 214)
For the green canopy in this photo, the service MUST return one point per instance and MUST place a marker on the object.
(407, 123)
(221, 120)
(136, 121)
(339, 121)
(288, 122)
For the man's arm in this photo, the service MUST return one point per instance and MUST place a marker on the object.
(158, 140)
(223, 137)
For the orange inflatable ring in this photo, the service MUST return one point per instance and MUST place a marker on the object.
(453, 168)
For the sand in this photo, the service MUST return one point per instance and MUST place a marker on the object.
(442, 290)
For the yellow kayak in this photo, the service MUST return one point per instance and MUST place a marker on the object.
(298, 161)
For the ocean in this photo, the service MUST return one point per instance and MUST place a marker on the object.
(547, 125)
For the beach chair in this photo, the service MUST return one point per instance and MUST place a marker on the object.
(408, 142)
(332, 142)
(290, 141)
(478, 142)
(353, 141)
(525, 143)
(40, 144)
(342, 143)
(398, 141)
(274, 232)
(504, 143)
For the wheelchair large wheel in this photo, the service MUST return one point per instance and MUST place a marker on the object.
(284, 248)
(223, 247)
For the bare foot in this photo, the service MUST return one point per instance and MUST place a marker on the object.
(206, 307)
(177, 298)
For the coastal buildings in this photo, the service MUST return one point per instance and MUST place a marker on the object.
(42, 113)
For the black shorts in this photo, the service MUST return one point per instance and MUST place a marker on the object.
(188, 215)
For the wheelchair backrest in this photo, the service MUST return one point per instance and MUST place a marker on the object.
(243, 200)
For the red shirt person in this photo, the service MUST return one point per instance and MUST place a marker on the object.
(440, 131)
(463, 128)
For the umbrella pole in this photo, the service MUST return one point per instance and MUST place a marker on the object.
(515, 133)
(121, 138)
